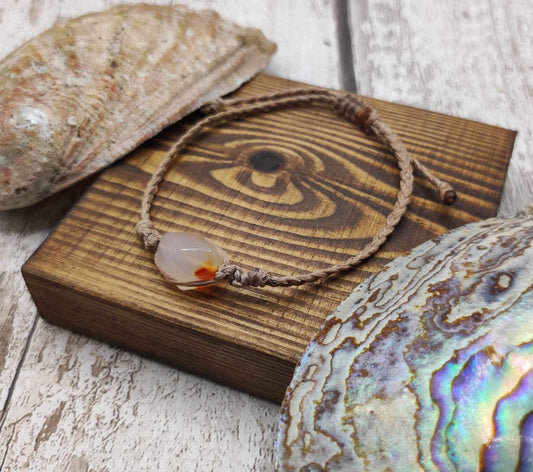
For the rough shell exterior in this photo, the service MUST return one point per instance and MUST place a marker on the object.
(89, 90)
(427, 366)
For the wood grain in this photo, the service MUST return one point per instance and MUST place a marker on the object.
(172, 420)
(237, 432)
(291, 191)
(470, 59)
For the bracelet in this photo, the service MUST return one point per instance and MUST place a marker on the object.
(191, 260)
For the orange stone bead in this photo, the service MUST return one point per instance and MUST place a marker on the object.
(188, 258)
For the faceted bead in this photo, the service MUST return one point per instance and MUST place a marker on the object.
(188, 257)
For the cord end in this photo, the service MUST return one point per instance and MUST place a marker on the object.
(449, 197)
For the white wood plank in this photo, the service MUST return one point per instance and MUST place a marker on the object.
(21, 232)
(78, 405)
(82, 405)
(468, 59)
(304, 32)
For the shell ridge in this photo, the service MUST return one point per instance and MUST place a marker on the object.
(155, 123)
(107, 82)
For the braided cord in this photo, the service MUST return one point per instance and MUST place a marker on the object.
(347, 106)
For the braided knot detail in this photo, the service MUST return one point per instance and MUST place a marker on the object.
(238, 277)
(356, 111)
(214, 106)
(348, 107)
(150, 236)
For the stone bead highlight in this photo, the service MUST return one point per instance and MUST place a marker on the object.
(188, 259)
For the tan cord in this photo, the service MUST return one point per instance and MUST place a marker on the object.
(347, 106)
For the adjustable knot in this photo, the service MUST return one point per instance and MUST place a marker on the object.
(214, 106)
(356, 111)
(150, 236)
(237, 277)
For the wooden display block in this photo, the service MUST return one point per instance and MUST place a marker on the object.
(290, 191)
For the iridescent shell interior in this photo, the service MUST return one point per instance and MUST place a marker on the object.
(427, 366)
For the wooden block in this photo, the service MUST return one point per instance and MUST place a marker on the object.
(289, 191)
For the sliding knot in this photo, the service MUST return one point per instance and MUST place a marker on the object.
(214, 106)
(357, 111)
(150, 236)
(237, 277)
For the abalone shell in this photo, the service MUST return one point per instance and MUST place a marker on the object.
(426, 366)
(89, 90)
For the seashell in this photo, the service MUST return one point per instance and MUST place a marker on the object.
(426, 366)
(87, 91)
(188, 259)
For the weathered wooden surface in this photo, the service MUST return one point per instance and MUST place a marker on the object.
(121, 412)
(323, 201)
(469, 59)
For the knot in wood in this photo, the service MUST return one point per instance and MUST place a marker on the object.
(356, 111)
(238, 277)
(151, 237)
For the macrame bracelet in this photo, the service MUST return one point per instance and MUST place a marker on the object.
(190, 260)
